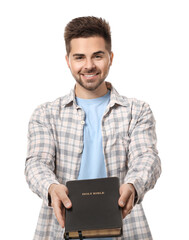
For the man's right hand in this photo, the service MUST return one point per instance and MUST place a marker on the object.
(59, 201)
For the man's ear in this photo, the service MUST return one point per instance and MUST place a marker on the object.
(111, 58)
(67, 60)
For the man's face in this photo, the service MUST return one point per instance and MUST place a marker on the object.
(89, 61)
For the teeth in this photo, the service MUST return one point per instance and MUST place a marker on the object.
(89, 75)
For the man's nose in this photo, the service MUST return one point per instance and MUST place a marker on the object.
(89, 64)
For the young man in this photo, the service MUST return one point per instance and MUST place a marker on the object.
(92, 132)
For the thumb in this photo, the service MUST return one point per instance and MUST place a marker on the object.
(125, 194)
(65, 199)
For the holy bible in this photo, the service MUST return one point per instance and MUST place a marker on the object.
(95, 211)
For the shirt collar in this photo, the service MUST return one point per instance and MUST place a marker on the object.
(115, 98)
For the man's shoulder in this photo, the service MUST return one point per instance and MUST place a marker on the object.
(136, 108)
(51, 107)
(132, 102)
(58, 102)
(129, 102)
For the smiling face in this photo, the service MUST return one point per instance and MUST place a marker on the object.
(89, 62)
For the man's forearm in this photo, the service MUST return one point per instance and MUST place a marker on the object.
(39, 177)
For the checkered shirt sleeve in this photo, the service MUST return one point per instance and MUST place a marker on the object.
(143, 161)
(40, 154)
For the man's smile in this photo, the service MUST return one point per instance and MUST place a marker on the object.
(89, 76)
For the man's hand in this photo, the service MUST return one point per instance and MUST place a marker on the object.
(59, 201)
(127, 197)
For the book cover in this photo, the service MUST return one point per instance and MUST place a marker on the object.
(95, 211)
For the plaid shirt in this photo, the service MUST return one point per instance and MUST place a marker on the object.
(55, 144)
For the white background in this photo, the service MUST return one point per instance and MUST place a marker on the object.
(151, 63)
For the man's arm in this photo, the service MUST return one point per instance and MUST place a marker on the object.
(40, 165)
(144, 167)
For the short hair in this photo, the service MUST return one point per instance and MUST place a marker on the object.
(87, 27)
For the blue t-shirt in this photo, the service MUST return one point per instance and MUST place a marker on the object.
(92, 162)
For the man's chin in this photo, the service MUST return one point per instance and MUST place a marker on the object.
(89, 88)
(90, 85)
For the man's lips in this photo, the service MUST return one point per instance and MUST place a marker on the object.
(89, 75)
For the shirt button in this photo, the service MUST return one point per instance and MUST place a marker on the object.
(80, 150)
(82, 122)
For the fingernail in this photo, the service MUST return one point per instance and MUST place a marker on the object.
(67, 204)
(122, 203)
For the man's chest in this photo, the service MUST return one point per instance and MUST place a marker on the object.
(68, 132)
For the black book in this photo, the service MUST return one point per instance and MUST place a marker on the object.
(95, 211)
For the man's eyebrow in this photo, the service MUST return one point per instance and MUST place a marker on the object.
(99, 52)
(78, 55)
(82, 55)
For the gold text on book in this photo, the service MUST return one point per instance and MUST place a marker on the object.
(92, 193)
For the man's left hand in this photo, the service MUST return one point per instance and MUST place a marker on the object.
(127, 197)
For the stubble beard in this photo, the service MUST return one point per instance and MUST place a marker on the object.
(87, 84)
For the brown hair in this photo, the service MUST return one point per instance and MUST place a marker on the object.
(87, 27)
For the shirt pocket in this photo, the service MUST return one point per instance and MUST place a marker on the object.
(119, 148)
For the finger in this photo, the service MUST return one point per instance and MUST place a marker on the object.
(129, 212)
(124, 198)
(124, 213)
(128, 207)
(66, 201)
(63, 196)
(63, 214)
(58, 209)
(125, 192)
(130, 203)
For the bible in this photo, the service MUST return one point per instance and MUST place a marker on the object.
(95, 211)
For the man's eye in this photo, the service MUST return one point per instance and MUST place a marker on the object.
(79, 58)
(98, 56)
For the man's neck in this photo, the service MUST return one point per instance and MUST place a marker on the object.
(88, 94)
